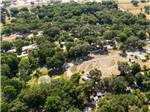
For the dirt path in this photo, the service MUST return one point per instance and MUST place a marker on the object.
(68, 71)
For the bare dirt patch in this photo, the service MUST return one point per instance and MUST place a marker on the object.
(9, 38)
(106, 63)
(127, 6)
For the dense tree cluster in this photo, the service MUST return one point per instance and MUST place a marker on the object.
(71, 32)
(147, 9)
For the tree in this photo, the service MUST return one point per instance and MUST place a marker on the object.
(46, 49)
(24, 68)
(52, 32)
(141, 15)
(14, 12)
(6, 46)
(80, 50)
(15, 82)
(56, 61)
(53, 104)
(135, 2)
(132, 42)
(142, 35)
(109, 35)
(19, 43)
(104, 108)
(117, 84)
(124, 68)
(11, 63)
(9, 92)
(123, 37)
(24, 9)
(4, 14)
(119, 103)
(95, 77)
(135, 68)
(139, 78)
(33, 59)
(4, 106)
(5, 70)
(18, 106)
(74, 110)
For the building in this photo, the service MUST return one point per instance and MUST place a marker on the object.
(12, 50)
(29, 47)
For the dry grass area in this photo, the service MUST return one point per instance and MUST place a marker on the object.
(148, 16)
(43, 71)
(9, 38)
(126, 5)
(106, 63)
(74, 69)
(147, 63)
(32, 82)
(124, 1)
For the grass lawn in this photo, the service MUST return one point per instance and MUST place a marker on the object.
(59, 76)
(33, 81)
(43, 71)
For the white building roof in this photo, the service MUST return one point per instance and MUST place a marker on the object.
(29, 47)
(11, 50)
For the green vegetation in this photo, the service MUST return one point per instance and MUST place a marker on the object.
(147, 9)
(81, 29)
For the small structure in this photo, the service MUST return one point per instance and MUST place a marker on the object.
(44, 79)
(109, 47)
(22, 55)
(84, 77)
(29, 47)
(12, 50)
(100, 94)
(140, 55)
(87, 109)
(30, 35)
(40, 33)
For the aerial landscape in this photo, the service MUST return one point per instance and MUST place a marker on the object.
(75, 55)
